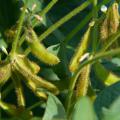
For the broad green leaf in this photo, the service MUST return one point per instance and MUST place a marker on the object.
(113, 113)
(83, 110)
(54, 109)
(49, 74)
(106, 98)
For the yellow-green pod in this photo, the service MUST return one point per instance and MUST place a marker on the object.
(104, 33)
(40, 82)
(19, 89)
(33, 87)
(111, 22)
(30, 65)
(10, 109)
(39, 50)
(5, 73)
(83, 82)
(107, 77)
(82, 48)
(114, 18)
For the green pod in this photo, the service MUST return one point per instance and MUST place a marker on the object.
(10, 109)
(33, 87)
(83, 81)
(82, 48)
(19, 89)
(40, 82)
(39, 50)
(30, 65)
(5, 73)
(107, 77)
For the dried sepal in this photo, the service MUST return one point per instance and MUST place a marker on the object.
(39, 50)
(82, 48)
(83, 82)
(5, 73)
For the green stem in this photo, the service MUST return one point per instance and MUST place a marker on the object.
(15, 42)
(75, 75)
(95, 28)
(34, 105)
(35, 22)
(63, 20)
(83, 23)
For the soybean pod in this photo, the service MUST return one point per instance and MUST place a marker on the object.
(39, 50)
(82, 48)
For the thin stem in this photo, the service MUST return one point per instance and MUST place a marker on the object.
(15, 42)
(35, 22)
(95, 28)
(63, 20)
(83, 23)
(34, 105)
(75, 75)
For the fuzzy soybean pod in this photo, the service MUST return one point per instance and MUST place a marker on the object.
(83, 82)
(107, 77)
(5, 73)
(18, 88)
(39, 50)
(111, 22)
(40, 82)
(82, 48)
(30, 65)
(32, 86)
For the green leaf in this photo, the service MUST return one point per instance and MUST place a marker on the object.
(113, 112)
(106, 97)
(54, 49)
(83, 110)
(54, 109)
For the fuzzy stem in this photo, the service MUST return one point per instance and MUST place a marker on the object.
(15, 42)
(82, 23)
(95, 28)
(63, 20)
